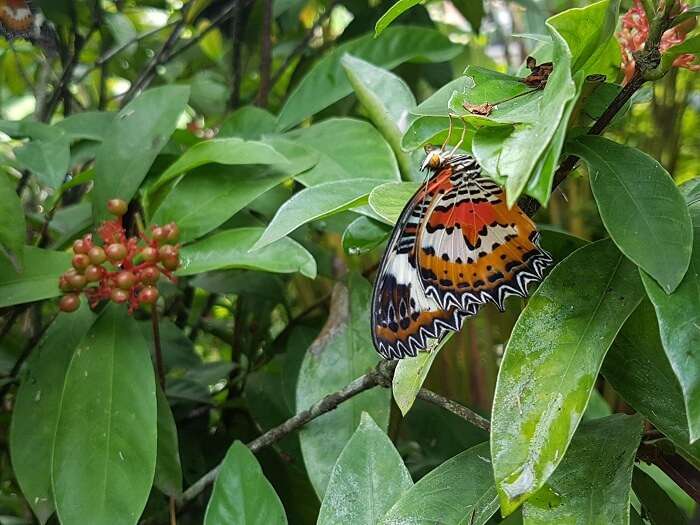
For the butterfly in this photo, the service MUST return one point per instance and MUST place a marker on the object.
(455, 247)
(16, 18)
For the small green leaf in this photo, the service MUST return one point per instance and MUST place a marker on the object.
(363, 235)
(13, 226)
(342, 352)
(234, 249)
(315, 203)
(47, 159)
(551, 363)
(38, 280)
(88, 125)
(242, 495)
(458, 492)
(592, 483)
(168, 476)
(660, 508)
(367, 479)
(132, 142)
(220, 151)
(392, 14)
(326, 82)
(640, 206)
(248, 123)
(37, 407)
(104, 453)
(388, 200)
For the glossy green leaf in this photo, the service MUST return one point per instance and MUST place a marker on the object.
(168, 475)
(315, 203)
(639, 371)
(431, 130)
(347, 149)
(640, 206)
(458, 492)
(248, 123)
(233, 249)
(367, 479)
(48, 159)
(326, 82)
(342, 352)
(388, 101)
(242, 495)
(559, 244)
(88, 125)
(660, 509)
(132, 142)
(206, 198)
(221, 151)
(473, 11)
(38, 279)
(551, 363)
(363, 235)
(13, 226)
(592, 483)
(388, 200)
(108, 415)
(37, 406)
(392, 14)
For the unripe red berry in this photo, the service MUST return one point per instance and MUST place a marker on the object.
(167, 251)
(149, 254)
(97, 255)
(149, 295)
(158, 233)
(93, 273)
(117, 207)
(170, 263)
(116, 252)
(119, 296)
(80, 261)
(126, 280)
(69, 303)
(77, 281)
(79, 246)
(172, 232)
(150, 275)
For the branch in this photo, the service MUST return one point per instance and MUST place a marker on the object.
(265, 54)
(452, 406)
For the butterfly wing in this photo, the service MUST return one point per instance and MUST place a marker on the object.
(404, 318)
(473, 248)
(16, 16)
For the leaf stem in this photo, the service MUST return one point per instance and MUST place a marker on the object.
(160, 368)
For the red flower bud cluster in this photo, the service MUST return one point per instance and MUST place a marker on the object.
(120, 269)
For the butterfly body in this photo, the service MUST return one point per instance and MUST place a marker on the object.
(16, 17)
(455, 247)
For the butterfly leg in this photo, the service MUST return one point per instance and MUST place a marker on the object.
(449, 133)
(461, 139)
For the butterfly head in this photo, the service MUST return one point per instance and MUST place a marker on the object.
(434, 158)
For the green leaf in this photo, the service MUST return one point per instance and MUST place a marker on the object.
(660, 509)
(473, 11)
(248, 123)
(551, 363)
(168, 476)
(388, 101)
(233, 249)
(89, 125)
(458, 492)
(346, 149)
(37, 406)
(47, 159)
(104, 453)
(592, 483)
(242, 495)
(315, 203)
(392, 14)
(434, 131)
(588, 31)
(341, 353)
(38, 280)
(388, 200)
(639, 371)
(326, 82)
(692, 12)
(367, 479)
(690, 45)
(13, 226)
(640, 206)
(559, 244)
(132, 142)
(231, 151)
(363, 235)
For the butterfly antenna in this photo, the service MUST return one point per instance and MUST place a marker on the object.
(461, 139)
(449, 133)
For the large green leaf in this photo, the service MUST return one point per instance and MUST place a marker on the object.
(13, 227)
(367, 479)
(132, 142)
(342, 352)
(392, 14)
(658, 506)
(88, 125)
(592, 483)
(315, 203)
(326, 82)
(38, 280)
(37, 406)
(458, 492)
(249, 123)
(104, 454)
(347, 149)
(551, 363)
(47, 159)
(388, 101)
(242, 495)
(232, 249)
(363, 235)
(388, 200)
(640, 206)
(221, 151)
(639, 371)
(168, 475)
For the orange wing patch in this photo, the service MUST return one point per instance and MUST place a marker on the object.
(16, 16)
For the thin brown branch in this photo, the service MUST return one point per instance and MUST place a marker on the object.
(457, 409)
(265, 54)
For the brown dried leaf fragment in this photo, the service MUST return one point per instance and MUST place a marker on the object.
(484, 109)
(538, 74)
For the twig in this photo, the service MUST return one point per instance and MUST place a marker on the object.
(160, 368)
(237, 25)
(265, 54)
(457, 409)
